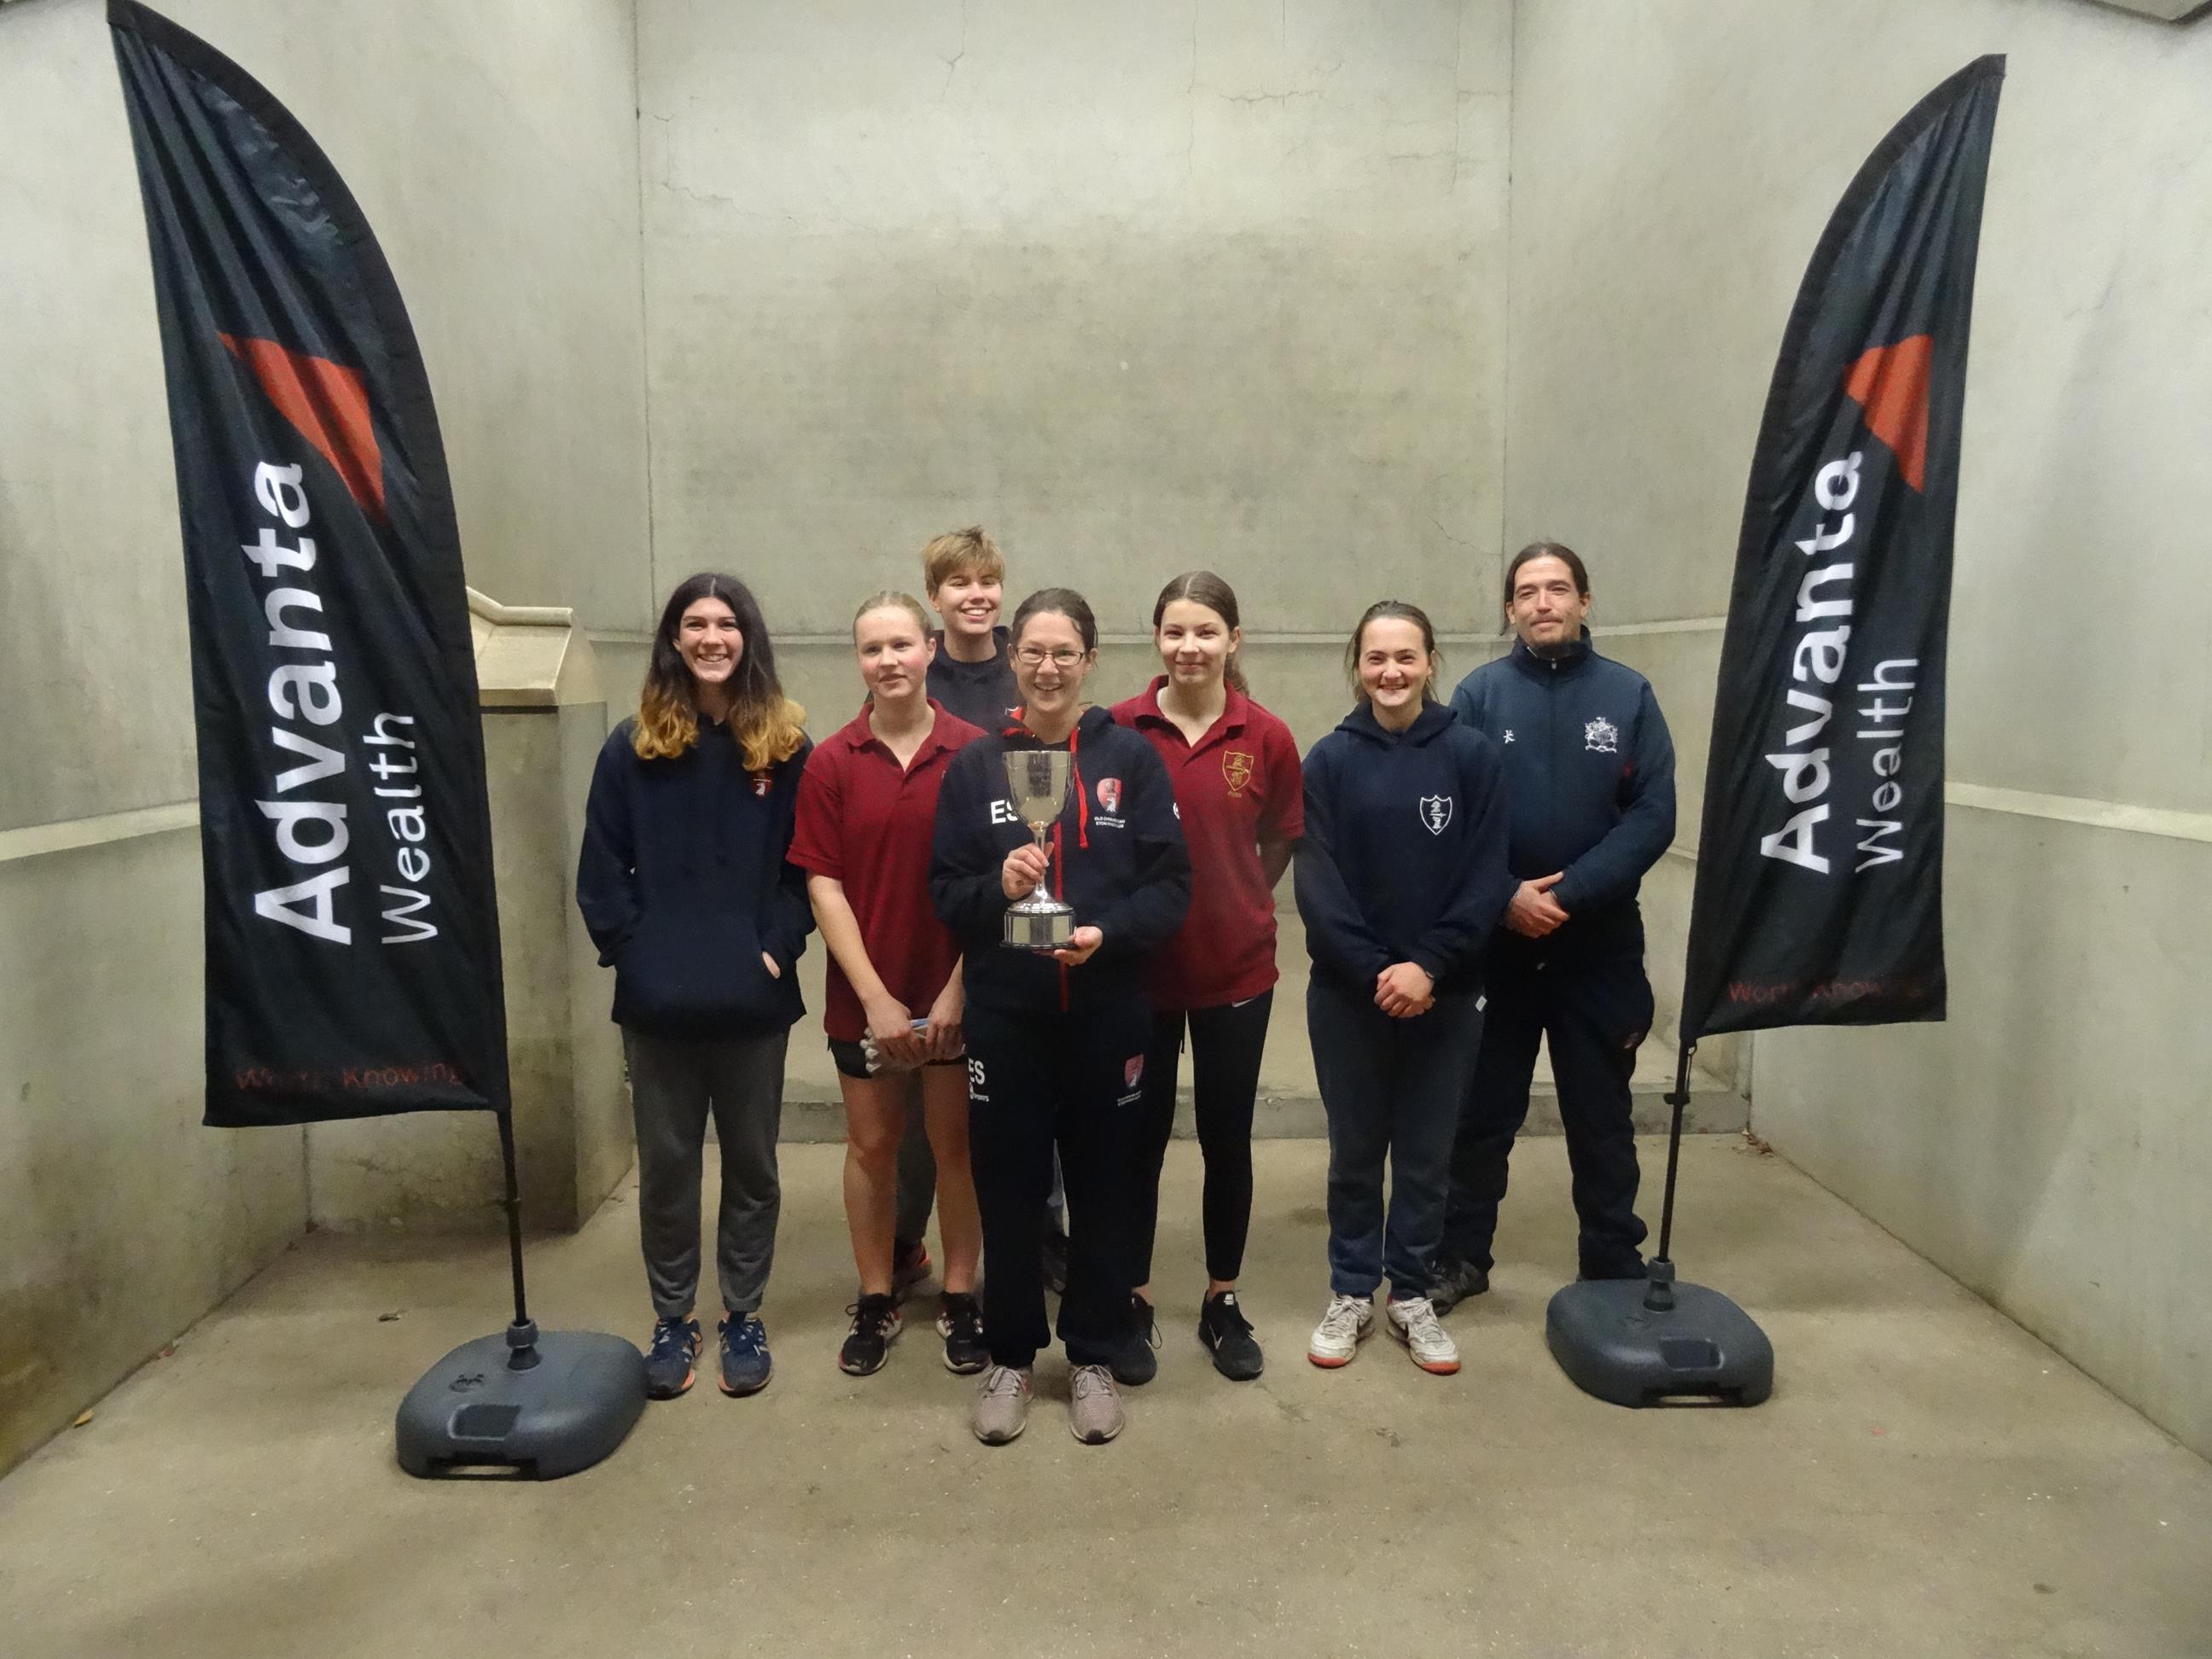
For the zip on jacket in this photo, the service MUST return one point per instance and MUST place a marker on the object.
(1117, 854)
(1591, 767)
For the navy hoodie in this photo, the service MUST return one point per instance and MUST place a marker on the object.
(683, 882)
(1119, 859)
(1590, 766)
(1404, 854)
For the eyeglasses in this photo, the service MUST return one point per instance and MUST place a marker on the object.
(1030, 656)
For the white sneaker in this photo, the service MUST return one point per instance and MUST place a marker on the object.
(1413, 1322)
(1337, 1337)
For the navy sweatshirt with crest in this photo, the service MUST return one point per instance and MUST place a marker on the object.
(1118, 857)
(1591, 769)
(1404, 854)
(683, 882)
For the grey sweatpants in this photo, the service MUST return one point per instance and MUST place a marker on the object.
(674, 1083)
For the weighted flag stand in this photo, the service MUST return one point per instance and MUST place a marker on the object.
(306, 439)
(1819, 892)
(1642, 1344)
(542, 1404)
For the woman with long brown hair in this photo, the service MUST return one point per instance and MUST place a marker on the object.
(1237, 789)
(686, 888)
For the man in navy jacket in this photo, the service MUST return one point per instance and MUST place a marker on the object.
(1591, 782)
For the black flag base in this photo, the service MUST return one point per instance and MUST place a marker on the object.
(1644, 1344)
(538, 1405)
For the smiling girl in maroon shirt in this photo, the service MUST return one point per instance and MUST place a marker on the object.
(1240, 794)
(867, 807)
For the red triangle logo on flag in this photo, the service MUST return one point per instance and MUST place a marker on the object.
(1890, 383)
(328, 405)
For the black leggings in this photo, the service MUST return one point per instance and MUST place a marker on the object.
(1225, 1044)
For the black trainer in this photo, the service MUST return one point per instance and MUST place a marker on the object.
(1134, 1362)
(875, 1320)
(1228, 1336)
(670, 1359)
(960, 1323)
(909, 1266)
(1457, 1281)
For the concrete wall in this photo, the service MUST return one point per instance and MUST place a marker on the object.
(1672, 166)
(493, 147)
(1141, 287)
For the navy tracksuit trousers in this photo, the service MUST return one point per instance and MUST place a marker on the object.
(1392, 1089)
(1586, 993)
(1072, 1082)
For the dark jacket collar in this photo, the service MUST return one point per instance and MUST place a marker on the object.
(1572, 659)
(1087, 723)
(1433, 719)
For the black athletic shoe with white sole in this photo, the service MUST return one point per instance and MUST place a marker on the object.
(875, 1320)
(1228, 1337)
(960, 1323)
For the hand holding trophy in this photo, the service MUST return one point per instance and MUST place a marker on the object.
(1037, 781)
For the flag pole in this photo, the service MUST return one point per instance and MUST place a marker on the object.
(1660, 1298)
(522, 1334)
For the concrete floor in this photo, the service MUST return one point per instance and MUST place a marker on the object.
(1928, 1480)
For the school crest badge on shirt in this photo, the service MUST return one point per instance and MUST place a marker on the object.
(1601, 735)
(1236, 768)
(1436, 812)
(1109, 794)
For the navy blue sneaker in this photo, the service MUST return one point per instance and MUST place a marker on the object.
(668, 1361)
(746, 1362)
(1135, 1363)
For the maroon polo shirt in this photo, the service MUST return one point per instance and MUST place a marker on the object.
(1241, 784)
(866, 824)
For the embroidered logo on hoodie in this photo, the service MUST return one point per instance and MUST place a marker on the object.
(1436, 812)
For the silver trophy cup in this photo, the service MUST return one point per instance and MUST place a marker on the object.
(1037, 781)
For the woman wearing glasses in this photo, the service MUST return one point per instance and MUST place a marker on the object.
(1056, 1043)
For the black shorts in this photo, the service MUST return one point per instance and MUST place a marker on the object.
(851, 1060)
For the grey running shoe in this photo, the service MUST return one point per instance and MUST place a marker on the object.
(1094, 1406)
(1001, 1410)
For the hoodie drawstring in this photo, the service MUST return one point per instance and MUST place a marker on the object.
(1082, 795)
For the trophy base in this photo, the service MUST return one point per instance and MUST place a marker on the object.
(1043, 929)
